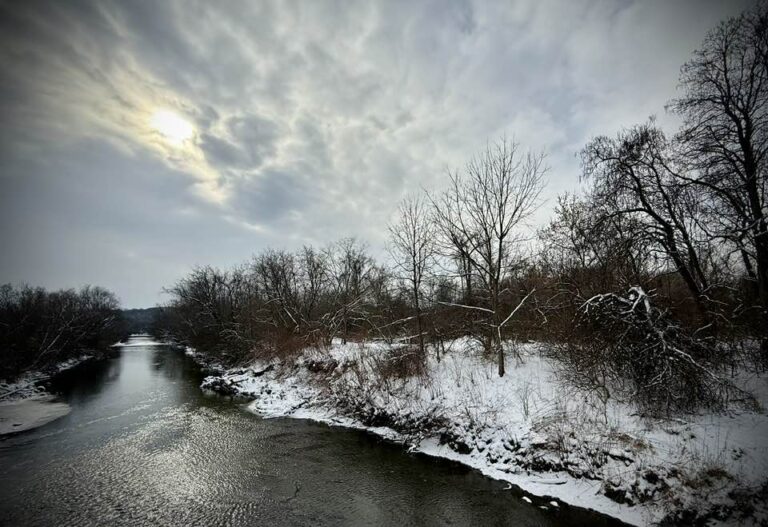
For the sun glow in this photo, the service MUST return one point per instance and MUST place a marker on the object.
(174, 128)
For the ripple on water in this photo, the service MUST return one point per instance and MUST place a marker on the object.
(142, 448)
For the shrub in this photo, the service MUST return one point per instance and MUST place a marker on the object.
(624, 346)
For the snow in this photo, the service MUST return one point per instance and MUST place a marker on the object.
(139, 339)
(24, 403)
(527, 428)
(25, 414)
(28, 385)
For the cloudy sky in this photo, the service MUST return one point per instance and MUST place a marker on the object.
(139, 138)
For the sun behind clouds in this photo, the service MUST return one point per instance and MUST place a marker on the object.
(174, 128)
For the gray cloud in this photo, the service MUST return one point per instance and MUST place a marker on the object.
(311, 119)
(248, 141)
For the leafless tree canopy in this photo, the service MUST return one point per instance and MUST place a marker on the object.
(413, 249)
(637, 176)
(39, 328)
(725, 136)
(479, 218)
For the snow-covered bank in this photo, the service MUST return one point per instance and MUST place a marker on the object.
(140, 339)
(29, 385)
(25, 404)
(25, 414)
(529, 429)
(206, 363)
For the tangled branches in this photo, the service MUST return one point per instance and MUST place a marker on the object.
(635, 350)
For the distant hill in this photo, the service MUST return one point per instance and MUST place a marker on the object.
(141, 320)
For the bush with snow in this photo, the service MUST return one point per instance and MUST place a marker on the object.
(624, 346)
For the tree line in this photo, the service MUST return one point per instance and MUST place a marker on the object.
(644, 284)
(39, 328)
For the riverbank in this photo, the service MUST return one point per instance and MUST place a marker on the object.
(29, 413)
(25, 404)
(146, 446)
(528, 428)
(29, 384)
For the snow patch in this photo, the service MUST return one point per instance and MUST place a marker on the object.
(26, 414)
(28, 385)
(140, 339)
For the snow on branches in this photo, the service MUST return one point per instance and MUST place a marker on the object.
(637, 351)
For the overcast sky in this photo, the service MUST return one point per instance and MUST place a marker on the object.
(139, 138)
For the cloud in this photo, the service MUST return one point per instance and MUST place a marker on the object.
(311, 119)
(244, 143)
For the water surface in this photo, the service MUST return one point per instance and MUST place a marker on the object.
(143, 446)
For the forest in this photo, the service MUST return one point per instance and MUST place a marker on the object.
(40, 328)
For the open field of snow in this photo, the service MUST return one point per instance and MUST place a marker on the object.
(529, 428)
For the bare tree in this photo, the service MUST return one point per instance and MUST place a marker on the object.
(635, 349)
(479, 217)
(635, 175)
(350, 270)
(277, 277)
(39, 327)
(412, 247)
(203, 305)
(587, 252)
(313, 285)
(725, 112)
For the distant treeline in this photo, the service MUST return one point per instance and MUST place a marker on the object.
(140, 320)
(39, 328)
(645, 285)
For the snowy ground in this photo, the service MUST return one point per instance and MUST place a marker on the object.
(528, 428)
(25, 414)
(25, 404)
(28, 385)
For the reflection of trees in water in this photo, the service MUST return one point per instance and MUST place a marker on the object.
(167, 360)
(185, 377)
(87, 379)
(172, 362)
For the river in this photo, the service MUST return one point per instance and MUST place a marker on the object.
(142, 445)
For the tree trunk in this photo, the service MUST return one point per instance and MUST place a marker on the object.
(761, 236)
(501, 360)
(496, 324)
(762, 289)
(419, 322)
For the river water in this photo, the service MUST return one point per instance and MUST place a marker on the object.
(143, 445)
